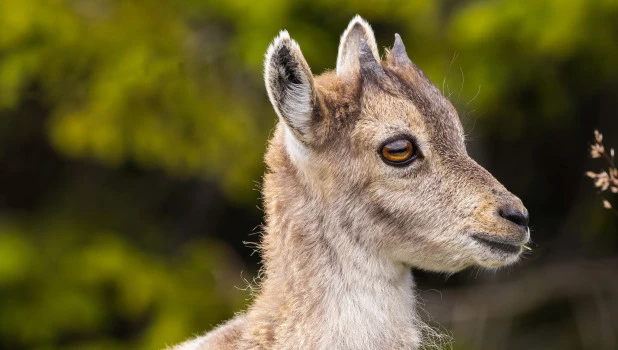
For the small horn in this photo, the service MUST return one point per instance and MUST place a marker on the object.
(399, 52)
(368, 63)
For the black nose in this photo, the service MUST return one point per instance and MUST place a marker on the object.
(515, 216)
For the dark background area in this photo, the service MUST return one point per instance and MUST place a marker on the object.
(131, 145)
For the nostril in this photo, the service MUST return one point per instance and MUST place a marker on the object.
(515, 216)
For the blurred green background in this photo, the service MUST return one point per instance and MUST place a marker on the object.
(131, 143)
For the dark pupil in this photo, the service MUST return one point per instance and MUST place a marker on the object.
(397, 147)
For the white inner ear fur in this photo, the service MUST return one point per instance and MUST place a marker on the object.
(297, 107)
(292, 102)
(349, 45)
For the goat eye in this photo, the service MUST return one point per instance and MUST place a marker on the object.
(399, 152)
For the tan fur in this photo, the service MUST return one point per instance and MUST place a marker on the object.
(344, 228)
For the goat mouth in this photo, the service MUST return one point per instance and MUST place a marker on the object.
(498, 244)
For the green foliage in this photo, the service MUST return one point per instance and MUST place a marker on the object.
(72, 285)
(131, 80)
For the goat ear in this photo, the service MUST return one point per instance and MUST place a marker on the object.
(350, 45)
(290, 86)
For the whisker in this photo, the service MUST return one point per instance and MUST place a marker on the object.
(463, 79)
(475, 96)
(455, 55)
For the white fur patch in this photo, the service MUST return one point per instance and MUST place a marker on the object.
(296, 150)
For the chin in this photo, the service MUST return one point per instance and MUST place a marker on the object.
(452, 266)
(492, 260)
(494, 251)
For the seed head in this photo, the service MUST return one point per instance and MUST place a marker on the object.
(596, 150)
(606, 180)
(602, 181)
(598, 136)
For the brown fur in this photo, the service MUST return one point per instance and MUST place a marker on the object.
(344, 228)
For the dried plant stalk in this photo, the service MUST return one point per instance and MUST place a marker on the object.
(606, 180)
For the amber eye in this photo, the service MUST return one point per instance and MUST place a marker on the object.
(398, 152)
